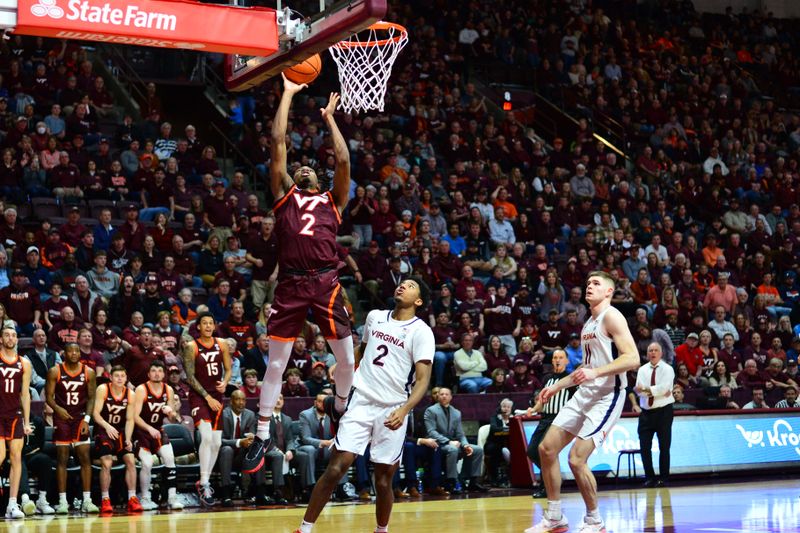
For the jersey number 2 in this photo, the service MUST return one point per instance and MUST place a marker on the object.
(307, 228)
(383, 351)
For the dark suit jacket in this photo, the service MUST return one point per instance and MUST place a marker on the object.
(438, 428)
(289, 438)
(309, 428)
(37, 364)
(247, 424)
(253, 359)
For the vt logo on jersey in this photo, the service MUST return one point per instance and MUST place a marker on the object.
(312, 201)
(115, 409)
(9, 372)
(72, 385)
(155, 406)
(209, 355)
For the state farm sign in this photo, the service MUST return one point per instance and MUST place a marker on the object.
(160, 23)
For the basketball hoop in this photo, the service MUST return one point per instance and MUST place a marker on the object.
(365, 65)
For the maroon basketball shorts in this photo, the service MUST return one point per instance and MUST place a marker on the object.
(11, 428)
(143, 441)
(68, 432)
(201, 412)
(296, 294)
(105, 445)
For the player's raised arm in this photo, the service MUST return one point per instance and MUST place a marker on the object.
(341, 176)
(280, 181)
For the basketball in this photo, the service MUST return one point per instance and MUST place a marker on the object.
(305, 72)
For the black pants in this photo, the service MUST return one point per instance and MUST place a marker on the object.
(538, 437)
(658, 422)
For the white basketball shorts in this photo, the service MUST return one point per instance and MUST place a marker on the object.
(362, 424)
(588, 416)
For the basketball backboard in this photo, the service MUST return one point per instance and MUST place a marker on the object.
(300, 38)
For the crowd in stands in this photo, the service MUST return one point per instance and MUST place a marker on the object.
(699, 223)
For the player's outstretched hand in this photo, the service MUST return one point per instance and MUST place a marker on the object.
(27, 429)
(582, 375)
(333, 101)
(213, 404)
(546, 394)
(292, 87)
(395, 419)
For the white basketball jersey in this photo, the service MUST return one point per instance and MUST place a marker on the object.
(598, 350)
(386, 372)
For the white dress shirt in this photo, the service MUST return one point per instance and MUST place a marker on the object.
(662, 390)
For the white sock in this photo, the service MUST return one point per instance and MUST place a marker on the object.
(104, 494)
(279, 352)
(131, 494)
(171, 493)
(554, 509)
(343, 372)
(12, 501)
(593, 517)
(62, 497)
(146, 495)
(306, 527)
(382, 529)
(42, 497)
(204, 452)
(87, 497)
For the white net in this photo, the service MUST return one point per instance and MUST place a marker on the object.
(365, 63)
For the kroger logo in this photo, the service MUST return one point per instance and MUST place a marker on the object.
(47, 8)
(782, 434)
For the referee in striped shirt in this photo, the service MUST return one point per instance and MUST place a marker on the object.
(549, 411)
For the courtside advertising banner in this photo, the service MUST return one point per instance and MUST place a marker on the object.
(157, 23)
(712, 443)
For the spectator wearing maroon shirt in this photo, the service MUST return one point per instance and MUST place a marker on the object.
(138, 358)
(496, 356)
(236, 327)
(468, 280)
(373, 267)
(72, 230)
(446, 266)
(521, 380)
(65, 331)
(64, 178)
(91, 357)
(157, 197)
(444, 335)
(11, 230)
(262, 253)
(472, 306)
(133, 232)
(133, 330)
(729, 355)
(551, 333)
(751, 377)
(184, 264)
(236, 280)
(294, 386)
(382, 223)
(300, 359)
(169, 281)
(498, 313)
(217, 210)
(54, 252)
(22, 303)
(776, 378)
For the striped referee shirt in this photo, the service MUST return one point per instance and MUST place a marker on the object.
(558, 401)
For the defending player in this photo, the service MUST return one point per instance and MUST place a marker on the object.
(70, 391)
(396, 346)
(207, 363)
(306, 223)
(15, 411)
(113, 416)
(609, 352)
(151, 407)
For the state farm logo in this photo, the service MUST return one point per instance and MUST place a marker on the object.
(85, 11)
(47, 8)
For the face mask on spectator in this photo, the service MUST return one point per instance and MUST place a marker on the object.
(41, 131)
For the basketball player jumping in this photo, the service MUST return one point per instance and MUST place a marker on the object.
(396, 346)
(208, 371)
(609, 352)
(113, 416)
(15, 412)
(306, 223)
(70, 391)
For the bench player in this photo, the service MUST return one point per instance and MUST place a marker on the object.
(15, 413)
(151, 407)
(207, 363)
(396, 346)
(609, 352)
(306, 223)
(114, 423)
(70, 391)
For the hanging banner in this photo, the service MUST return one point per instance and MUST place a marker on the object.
(157, 23)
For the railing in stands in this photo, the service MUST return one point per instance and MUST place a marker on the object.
(126, 74)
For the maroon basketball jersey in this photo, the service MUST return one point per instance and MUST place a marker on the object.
(208, 368)
(306, 224)
(151, 409)
(10, 387)
(72, 390)
(114, 409)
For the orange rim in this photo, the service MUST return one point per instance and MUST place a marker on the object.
(378, 26)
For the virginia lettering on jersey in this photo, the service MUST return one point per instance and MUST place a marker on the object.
(388, 338)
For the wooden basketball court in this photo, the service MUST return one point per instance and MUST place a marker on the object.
(753, 507)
